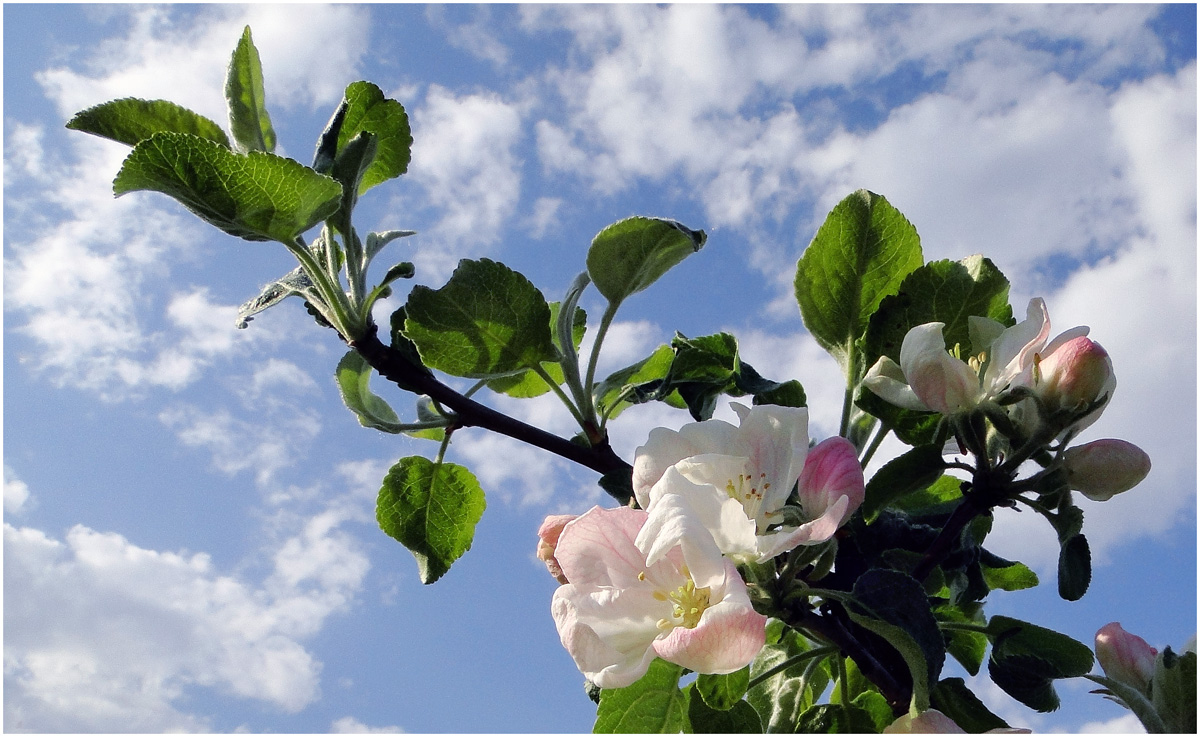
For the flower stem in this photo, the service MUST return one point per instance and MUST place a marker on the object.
(816, 652)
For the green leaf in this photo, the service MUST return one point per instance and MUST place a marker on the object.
(835, 719)
(940, 291)
(614, 393)
(528, 383)
(130, 120)
(1173, 690)
(257, 196)
(782, 698)
(630, 255)
(654, 704)
(721, 692)
(966, 646)
(487, 321)
(897, 609)
(739, 718)
(1074, 568)
(914, 471)
(245, 95)
(1026, 659)
(432, 509)
(952, 697)
(1010, 576)
(353, 379)
(859, 255)
(940, 497)
(877, 708)
(385, 119)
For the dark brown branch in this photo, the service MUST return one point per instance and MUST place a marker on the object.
(394, 366)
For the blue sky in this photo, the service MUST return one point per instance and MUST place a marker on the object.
(189, 524)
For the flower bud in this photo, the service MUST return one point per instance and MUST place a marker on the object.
(548, 535)
(831, 471)
(1074, 374)
(1103, 468)
(1125, 657)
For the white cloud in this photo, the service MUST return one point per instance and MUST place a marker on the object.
(16, 492)
(264, 446)
(463, 156)
(1125, 724)
(167, 55)
(135, 630)
(350, 725)
(475, 37)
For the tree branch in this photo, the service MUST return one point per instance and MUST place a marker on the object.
(395, 366)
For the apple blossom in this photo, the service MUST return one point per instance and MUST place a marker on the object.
(1125, 657)
(1104, 468)
(740, 498)
(930, 378)
(548, 535)
(621, 609)
(771, 440)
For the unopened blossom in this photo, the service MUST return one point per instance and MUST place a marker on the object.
(737, 481)
(548, 535)
(1104, 468)
(932, 721)
(621, 609)
(1125, 657)
(1072, 374)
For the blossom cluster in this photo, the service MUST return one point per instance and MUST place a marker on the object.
(663, 581)
(1048, 389)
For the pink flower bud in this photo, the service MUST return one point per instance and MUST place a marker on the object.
(1103, 468)
(831, 471)
(1074, 374)
(1124, 657)
(548, 535)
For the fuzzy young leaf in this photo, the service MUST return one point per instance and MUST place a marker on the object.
(615, 393)
(782, 698)
(654, 704)
(835, 719)
(353, 379)
(246, 97)
(721, 692)
(294, 283)
(859, 255)
(385, 119)
(432, 509)
(257, 196)
(739, 718)
(630, 255)
(487, 321)
(130, 120)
